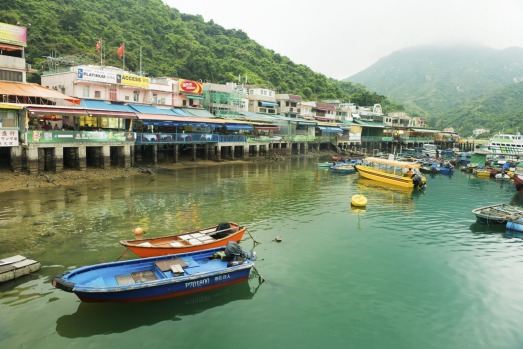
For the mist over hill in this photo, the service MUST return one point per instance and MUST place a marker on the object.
(447, 83)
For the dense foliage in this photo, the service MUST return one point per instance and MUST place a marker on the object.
(172, 44)
(465, 87)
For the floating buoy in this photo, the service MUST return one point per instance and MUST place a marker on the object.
(138, 231)
(278, 238)
(359, 200)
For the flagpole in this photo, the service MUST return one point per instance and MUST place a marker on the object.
(140, 60)
(123, 56)
(101, 52)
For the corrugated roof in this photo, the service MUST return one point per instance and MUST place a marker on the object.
(10, 88)
(199, 112)
(151, 109)
(103, 105)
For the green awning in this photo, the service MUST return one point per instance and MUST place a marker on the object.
(200, 98)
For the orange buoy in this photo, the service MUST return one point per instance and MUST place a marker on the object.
(138, 231)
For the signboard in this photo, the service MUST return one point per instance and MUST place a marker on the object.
(111, 77)
(190, 86)
(79, 136)
(97, 75)
(9, 138)
(13, 34)
(132, 80)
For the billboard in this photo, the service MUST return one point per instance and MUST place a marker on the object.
(190, 86)
(13, 34)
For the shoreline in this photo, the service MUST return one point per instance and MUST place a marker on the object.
(16, 181)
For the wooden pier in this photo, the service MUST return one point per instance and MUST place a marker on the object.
(16, 266)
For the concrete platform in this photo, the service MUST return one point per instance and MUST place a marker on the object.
(16, 266)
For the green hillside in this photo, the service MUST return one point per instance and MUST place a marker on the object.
(172, 43)
(464, 87)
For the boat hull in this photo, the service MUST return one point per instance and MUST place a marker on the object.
(164, 245)
(370, 173)
(144, 279)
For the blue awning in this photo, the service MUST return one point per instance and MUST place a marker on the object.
(237, 127)
(151, 109)
(330, 129)
(96, 104)
(178, 124)
(268, 104)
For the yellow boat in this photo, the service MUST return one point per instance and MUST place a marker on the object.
(392, 172)
(482, 173)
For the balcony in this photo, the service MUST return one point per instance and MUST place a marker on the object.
(8, 62)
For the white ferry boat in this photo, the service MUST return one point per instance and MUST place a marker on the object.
(506, 144)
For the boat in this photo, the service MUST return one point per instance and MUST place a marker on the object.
(518, 182)
(392, 172)
(516, 224)
(481, 173)
(342, 169)
(506, 144)
(210, 237)
(153, 278)
(497, 214)
(359, 200)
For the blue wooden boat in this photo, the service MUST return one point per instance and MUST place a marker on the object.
(342, 169)
(154, 278)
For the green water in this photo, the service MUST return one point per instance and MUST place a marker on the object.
(412, 270)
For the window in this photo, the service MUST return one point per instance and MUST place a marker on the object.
(97, 94)
(136, 96)
(155, 98)
(85, 91)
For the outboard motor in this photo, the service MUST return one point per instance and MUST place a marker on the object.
(416, 179)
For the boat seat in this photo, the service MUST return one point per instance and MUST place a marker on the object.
(125, 279)
(177, 270)
(176, 244)
(165, 265)
(144, 276)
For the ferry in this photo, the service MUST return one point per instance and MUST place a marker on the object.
(505, 144)
(401, 173)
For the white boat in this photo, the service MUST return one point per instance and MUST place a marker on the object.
(506, 144)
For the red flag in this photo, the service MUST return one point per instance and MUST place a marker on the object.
(121, 50)
(98, 45)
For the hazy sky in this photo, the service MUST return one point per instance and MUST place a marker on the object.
(340, 38)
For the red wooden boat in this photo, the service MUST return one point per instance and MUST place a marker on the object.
(518, 182)
(211, 237)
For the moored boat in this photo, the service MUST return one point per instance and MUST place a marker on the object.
(392, 172)
(506, 144)
(211, 237)
(342, 169)
(157, 277)
(497, 214)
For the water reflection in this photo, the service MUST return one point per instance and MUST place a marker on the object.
(385, 196)
(105, 318)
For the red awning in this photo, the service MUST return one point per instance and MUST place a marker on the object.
(10, 88)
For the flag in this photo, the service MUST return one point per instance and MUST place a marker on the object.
(121, 50)
(98, 45)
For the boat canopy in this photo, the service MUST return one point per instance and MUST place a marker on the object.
(395, 163)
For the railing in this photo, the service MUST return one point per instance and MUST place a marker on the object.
(184, 138)
(56, 136)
